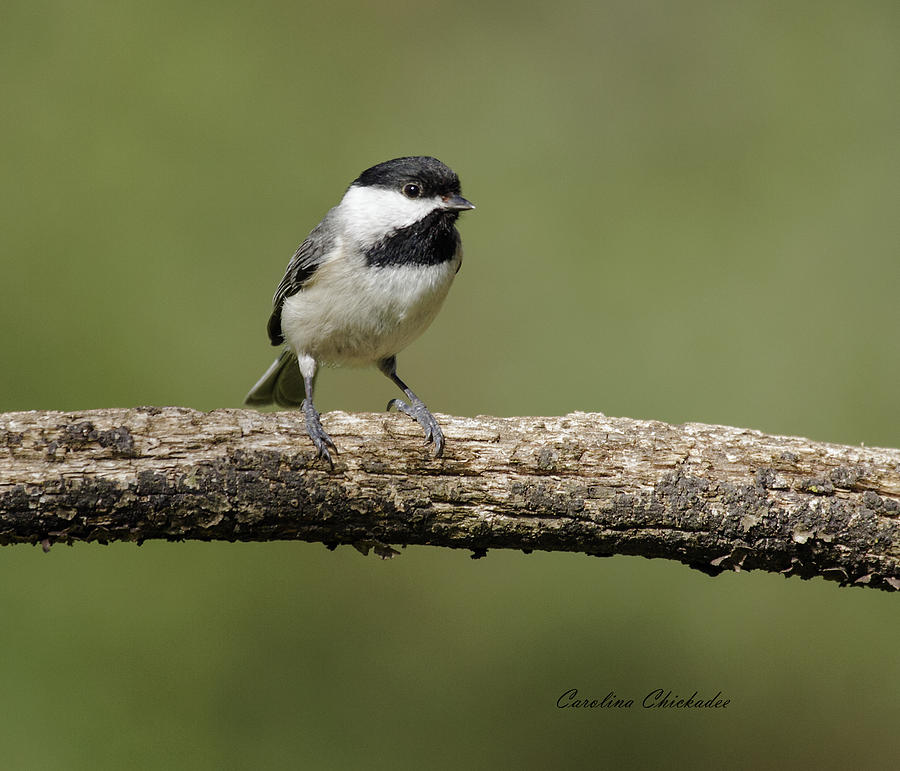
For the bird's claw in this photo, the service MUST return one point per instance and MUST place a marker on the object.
(420, 413)
(319, 437)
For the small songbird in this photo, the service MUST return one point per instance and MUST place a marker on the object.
(366, 282)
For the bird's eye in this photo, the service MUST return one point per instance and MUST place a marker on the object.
(412, 190)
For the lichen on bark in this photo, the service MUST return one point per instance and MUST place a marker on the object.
(712, 497)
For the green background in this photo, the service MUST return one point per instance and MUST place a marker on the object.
(686, 211)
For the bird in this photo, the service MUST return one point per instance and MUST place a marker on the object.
(366, 282)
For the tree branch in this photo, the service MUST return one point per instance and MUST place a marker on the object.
(712, 497)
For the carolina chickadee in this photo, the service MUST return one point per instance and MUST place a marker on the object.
(365, 283)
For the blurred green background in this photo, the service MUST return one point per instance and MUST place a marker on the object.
(686, 211)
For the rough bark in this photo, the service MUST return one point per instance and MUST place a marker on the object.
(712, 497)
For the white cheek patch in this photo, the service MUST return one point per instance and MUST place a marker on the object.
(371, 213)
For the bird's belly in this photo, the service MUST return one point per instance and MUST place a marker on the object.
(361, 316)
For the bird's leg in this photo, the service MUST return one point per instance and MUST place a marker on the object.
(313, 425)
(416, 408)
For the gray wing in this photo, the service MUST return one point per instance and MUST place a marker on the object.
(309, 255)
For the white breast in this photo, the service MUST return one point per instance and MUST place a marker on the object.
(351, 313)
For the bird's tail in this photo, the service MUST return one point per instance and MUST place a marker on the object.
(281, 384)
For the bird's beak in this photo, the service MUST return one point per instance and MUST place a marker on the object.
(457, 203)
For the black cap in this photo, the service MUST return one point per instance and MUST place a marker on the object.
(434, 177)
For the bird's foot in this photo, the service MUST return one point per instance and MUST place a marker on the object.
(420, 413)
(314, 428)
